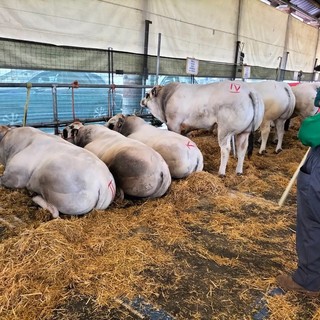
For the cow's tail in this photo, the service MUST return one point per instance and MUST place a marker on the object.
(250, 144)
(258, 112)
(290, 108)
(287, 124)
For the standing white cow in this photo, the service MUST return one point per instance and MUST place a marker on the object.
(305, 94)
(279, 104)
(139, 171)
(235, 107)
(180, 153)
(66, 178)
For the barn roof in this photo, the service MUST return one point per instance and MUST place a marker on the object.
(306, 10)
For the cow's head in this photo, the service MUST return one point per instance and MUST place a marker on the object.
(153, 93)
(116, 122)
(71, 131)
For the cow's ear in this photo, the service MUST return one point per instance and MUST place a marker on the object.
(65, 133)
(120, 122)
(74, 132)
(155, 91)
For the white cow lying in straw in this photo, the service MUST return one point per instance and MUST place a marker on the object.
(236, 108)
(305, 94)
(66, 178)
(180, 153)
(139, 171)
(279, 104)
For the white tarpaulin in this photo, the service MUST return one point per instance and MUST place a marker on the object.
(262, 32)
(202, 29)
(302, 45)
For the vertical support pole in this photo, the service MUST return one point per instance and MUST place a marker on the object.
(283, 66)
(110, 108)
(55, 109)
(236, 57)
(315, 58)
(158, 59)
(279, 69)
(146, 46)
(314, 72)
(285, 52)
(236, 60)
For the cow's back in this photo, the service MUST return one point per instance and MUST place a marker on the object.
(278, 98)
(180, 153)
(233, 103)
(138, 170)
(71, 179)
(305, 94)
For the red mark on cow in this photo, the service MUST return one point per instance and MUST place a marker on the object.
(189, 144)
(112, 188)
(235, 88)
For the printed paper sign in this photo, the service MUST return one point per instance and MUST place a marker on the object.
(192, 66)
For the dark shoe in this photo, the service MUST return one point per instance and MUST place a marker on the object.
(288, 284)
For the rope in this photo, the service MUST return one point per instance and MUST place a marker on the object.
(74, 85)
(26, 106)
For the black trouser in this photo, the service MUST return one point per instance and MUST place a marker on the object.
(308, 223)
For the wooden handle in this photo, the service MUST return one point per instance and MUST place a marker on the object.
(292, 180)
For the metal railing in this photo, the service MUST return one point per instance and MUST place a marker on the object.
(111, 90)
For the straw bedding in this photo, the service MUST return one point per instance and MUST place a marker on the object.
(209, 249)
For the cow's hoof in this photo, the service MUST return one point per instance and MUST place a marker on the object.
(278, 151)
(239, 174)
(222, 175)
(263, 152)
(119, 197)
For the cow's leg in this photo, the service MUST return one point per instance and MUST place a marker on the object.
(265, 131)
(280, 133)
(47, 206)
(225, 147)
(174, 126)
(242, 147)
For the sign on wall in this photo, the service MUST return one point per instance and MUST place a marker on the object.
(246, 71)
(192, 66)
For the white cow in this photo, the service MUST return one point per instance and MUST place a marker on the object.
(66, 178)
(235, 107)
(279, 104)
(305, 94)
(180, 153)
(139, 171)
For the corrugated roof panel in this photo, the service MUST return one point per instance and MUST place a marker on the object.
(308, 10)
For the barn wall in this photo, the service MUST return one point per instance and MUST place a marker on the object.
(262, 32)
(302, 45)
(204, 29)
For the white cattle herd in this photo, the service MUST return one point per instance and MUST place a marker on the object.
(91, 165)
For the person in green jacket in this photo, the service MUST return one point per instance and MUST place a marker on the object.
(306, 278)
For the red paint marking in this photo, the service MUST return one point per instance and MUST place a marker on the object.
(293, 84)
(235, 88)
(189, 144)
(112, 188)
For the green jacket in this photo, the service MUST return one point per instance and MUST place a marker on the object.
(309, 132)
(317, 99)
